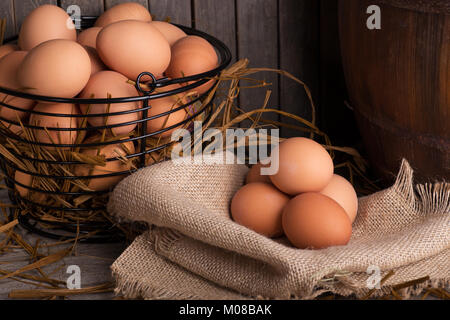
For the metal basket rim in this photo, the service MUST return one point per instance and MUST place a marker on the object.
(222, 48)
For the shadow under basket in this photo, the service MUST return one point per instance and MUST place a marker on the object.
(56, 205)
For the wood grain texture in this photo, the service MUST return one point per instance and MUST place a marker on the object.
(88, 7)
(7, 11)
(178, 11)
(94, 262)
(336, 119)
(257, 33)
(299, 44)
(218, 19)
(398, 80)
(23, 7)
(112, 3)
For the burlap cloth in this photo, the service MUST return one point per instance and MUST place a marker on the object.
(193, 249)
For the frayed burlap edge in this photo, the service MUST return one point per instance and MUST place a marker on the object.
(431, 198)
(343, 286)
(131, 288)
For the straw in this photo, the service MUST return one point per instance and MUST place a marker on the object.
(2, 30)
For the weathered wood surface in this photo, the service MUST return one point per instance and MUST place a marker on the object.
(94, 262)
(257, 39)
(398, 82)
(23, 7)
(178, 11)
(7, 11)
(298, 55)
(218, 18)
(111, 3)
(88, 7)
(334, 115)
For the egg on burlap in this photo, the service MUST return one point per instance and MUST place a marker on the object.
(315, 221)
(259, 206)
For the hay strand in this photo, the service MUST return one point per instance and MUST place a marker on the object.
(9, 226)
(47, 293)
(38, 264)
(2, 30)
(383, 280)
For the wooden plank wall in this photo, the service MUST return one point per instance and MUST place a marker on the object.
(299, 36)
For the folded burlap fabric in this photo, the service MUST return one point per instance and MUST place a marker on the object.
(194, 250)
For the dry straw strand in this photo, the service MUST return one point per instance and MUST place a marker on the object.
(8, 226)
(2, 30)
(46, 293)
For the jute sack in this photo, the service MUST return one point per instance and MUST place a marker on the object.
(193, 250)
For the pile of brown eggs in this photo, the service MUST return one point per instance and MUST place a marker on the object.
(303, 200)
(52, 59)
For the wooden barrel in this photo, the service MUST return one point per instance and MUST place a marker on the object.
(398, 79)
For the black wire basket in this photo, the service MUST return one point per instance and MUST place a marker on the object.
(107, 230)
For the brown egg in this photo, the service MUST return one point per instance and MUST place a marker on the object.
(45, 23)
(97, 64)
(192, 55)
(7, 48)
(55, 136)
(312, 220)
(59, 68)
(259, 206)
(109, 151)
(124, 11)
(162, 105)
(99, 86)
(181, 97)
(88, 37)
(254, 175)
(304, 166)
(170, 32)
(132, 47)
(15, 129)
(24, 179)
(341, 190)
(9, 65)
